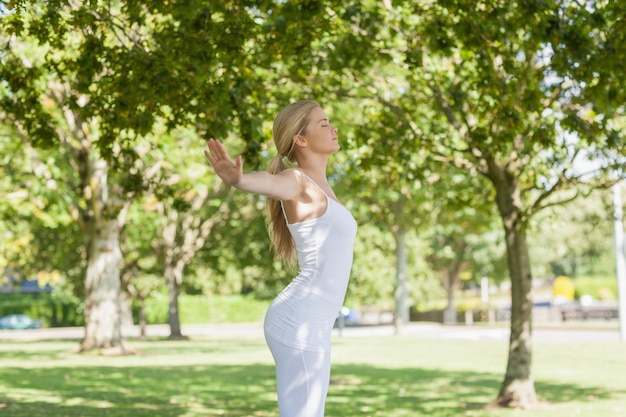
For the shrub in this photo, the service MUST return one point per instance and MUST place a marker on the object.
(599, 287)
(197, 309)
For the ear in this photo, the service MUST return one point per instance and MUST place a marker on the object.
(299, 141)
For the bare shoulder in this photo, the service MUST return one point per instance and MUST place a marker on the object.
(292, 173)
(295, 181)
(289, 172)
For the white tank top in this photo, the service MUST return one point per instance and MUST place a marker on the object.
(302, 316)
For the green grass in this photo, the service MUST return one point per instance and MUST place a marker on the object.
(373, 376)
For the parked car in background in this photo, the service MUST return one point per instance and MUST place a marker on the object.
(347, 317)
(19, 322)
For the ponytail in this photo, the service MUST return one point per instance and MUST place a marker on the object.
(279, 232)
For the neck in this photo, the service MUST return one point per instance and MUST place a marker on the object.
(314, 166)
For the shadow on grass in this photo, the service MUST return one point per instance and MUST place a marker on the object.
(378, 391)
(137, 391)
(248, 390)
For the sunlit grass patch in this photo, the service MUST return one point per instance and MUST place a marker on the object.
(372, 376)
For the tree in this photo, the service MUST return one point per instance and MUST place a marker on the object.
(458, 239)
(395, 186)
(517, 93)
(90, 79)
(98, 210)
(512, 113)
(556, 235)
(188, 210)
(44, 101)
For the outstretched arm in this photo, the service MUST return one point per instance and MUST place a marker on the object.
(279, 187)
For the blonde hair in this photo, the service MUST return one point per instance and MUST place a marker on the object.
(291, 121)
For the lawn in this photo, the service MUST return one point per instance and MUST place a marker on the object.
(372, 376)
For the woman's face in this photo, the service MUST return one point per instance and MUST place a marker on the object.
(321, 135)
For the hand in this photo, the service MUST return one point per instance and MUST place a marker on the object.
(230, 171)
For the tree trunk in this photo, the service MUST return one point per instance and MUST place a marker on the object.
(450, 280)
(102, 289)
(101, 230)
(401, 294)
(143, 323)
(169, 249)
(174, 280)
(126, 306)
(518, 389)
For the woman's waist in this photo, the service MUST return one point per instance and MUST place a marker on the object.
(329, 264)
(303, 328)
(330, 287)
(300, 293)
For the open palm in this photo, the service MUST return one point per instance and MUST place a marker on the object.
(229, 170)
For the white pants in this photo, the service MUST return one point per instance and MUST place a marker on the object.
(302, 380)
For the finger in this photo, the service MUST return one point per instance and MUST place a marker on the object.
(221, 152)
(213, 148)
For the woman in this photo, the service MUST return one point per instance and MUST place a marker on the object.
(305, 219)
